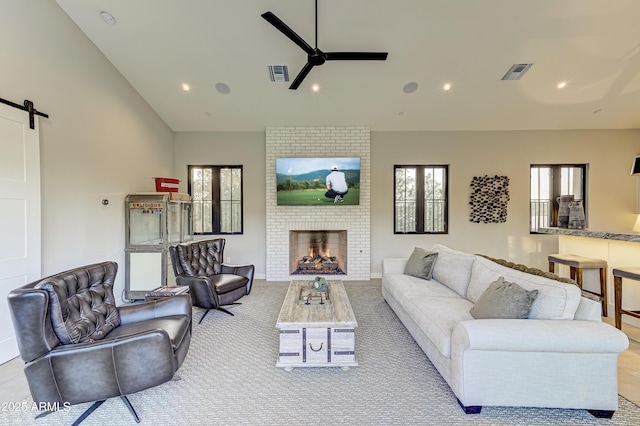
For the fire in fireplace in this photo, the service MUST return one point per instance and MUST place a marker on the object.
(318, 259)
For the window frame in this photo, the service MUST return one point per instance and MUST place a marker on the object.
(216, 202)
(420, 201)
(556, 191)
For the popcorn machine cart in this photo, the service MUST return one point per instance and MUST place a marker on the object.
(153, 221)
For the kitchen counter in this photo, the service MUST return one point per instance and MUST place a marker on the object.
(633, 237)
(619, 249)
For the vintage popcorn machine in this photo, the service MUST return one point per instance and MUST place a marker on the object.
(153, 221)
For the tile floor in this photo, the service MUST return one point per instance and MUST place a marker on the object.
(13, 385)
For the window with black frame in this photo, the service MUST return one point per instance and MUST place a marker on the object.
(216, 195)
(421, 199)
(548, 183)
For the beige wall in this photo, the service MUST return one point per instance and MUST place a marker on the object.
(611, 189)
(232, 148)
(102, 139)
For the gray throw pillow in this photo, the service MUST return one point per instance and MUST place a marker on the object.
(420, 263)
(503, 299)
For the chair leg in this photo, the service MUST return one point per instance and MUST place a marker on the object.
(205, 314)
(617, 294)
(603, 291)
(219, 308)
(94, 407)
(130, 407)
(87, 412)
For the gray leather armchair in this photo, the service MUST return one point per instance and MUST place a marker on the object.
(78, 346)
(212, 284)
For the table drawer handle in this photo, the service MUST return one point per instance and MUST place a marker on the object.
(315, 350)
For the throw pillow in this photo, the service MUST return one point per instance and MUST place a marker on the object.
(420, 263)
(503, 299)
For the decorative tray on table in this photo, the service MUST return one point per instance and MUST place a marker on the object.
(310, 296)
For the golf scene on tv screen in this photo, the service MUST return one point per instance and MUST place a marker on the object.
(318, 181)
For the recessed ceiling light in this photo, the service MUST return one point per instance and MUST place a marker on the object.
(315, 87)
(108, 18)
(562, 85)
(446, 86)
(598, 111)
(223, 88)
(186, 87)
(410, 87)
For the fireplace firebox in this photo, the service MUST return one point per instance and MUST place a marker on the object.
(318, 252)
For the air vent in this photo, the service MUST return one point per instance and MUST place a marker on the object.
(278, 73)
(516, 71)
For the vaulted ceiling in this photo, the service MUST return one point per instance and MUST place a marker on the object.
(591, 45)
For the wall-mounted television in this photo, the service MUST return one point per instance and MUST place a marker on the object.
(325, 181)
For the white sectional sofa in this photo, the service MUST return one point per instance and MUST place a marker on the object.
(561, 356)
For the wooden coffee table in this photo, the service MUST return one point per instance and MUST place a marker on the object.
(316, 335)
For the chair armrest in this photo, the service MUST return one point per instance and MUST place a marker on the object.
(246, 271)
(113, 367)
(171, 305)
(200, 290)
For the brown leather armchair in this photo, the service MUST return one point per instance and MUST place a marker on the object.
(78, 346)
(212, 284)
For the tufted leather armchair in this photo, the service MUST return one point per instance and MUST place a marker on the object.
(78, 346)
(212, 284)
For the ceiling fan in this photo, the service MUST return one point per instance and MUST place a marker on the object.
(315, 56)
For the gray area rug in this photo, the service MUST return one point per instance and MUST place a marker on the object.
(229, 378)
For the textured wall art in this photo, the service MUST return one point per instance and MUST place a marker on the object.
(489, 198)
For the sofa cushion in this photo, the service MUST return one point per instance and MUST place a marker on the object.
(402, 286)
(504, 300)
(437, 316)
(555, 300)
(421, 263)
(453, 268)
(529, 270)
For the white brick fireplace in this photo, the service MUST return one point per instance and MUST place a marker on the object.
(355, 220)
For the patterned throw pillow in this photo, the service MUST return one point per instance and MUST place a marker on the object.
(421, 263)
(504, 300)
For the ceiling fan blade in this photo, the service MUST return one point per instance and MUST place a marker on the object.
(284, 29)
(301, 75)
(356, 56)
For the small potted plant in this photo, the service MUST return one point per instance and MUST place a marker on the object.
(319, 284)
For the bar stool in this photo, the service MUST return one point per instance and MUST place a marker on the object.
(618, 275)
(576, 265)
